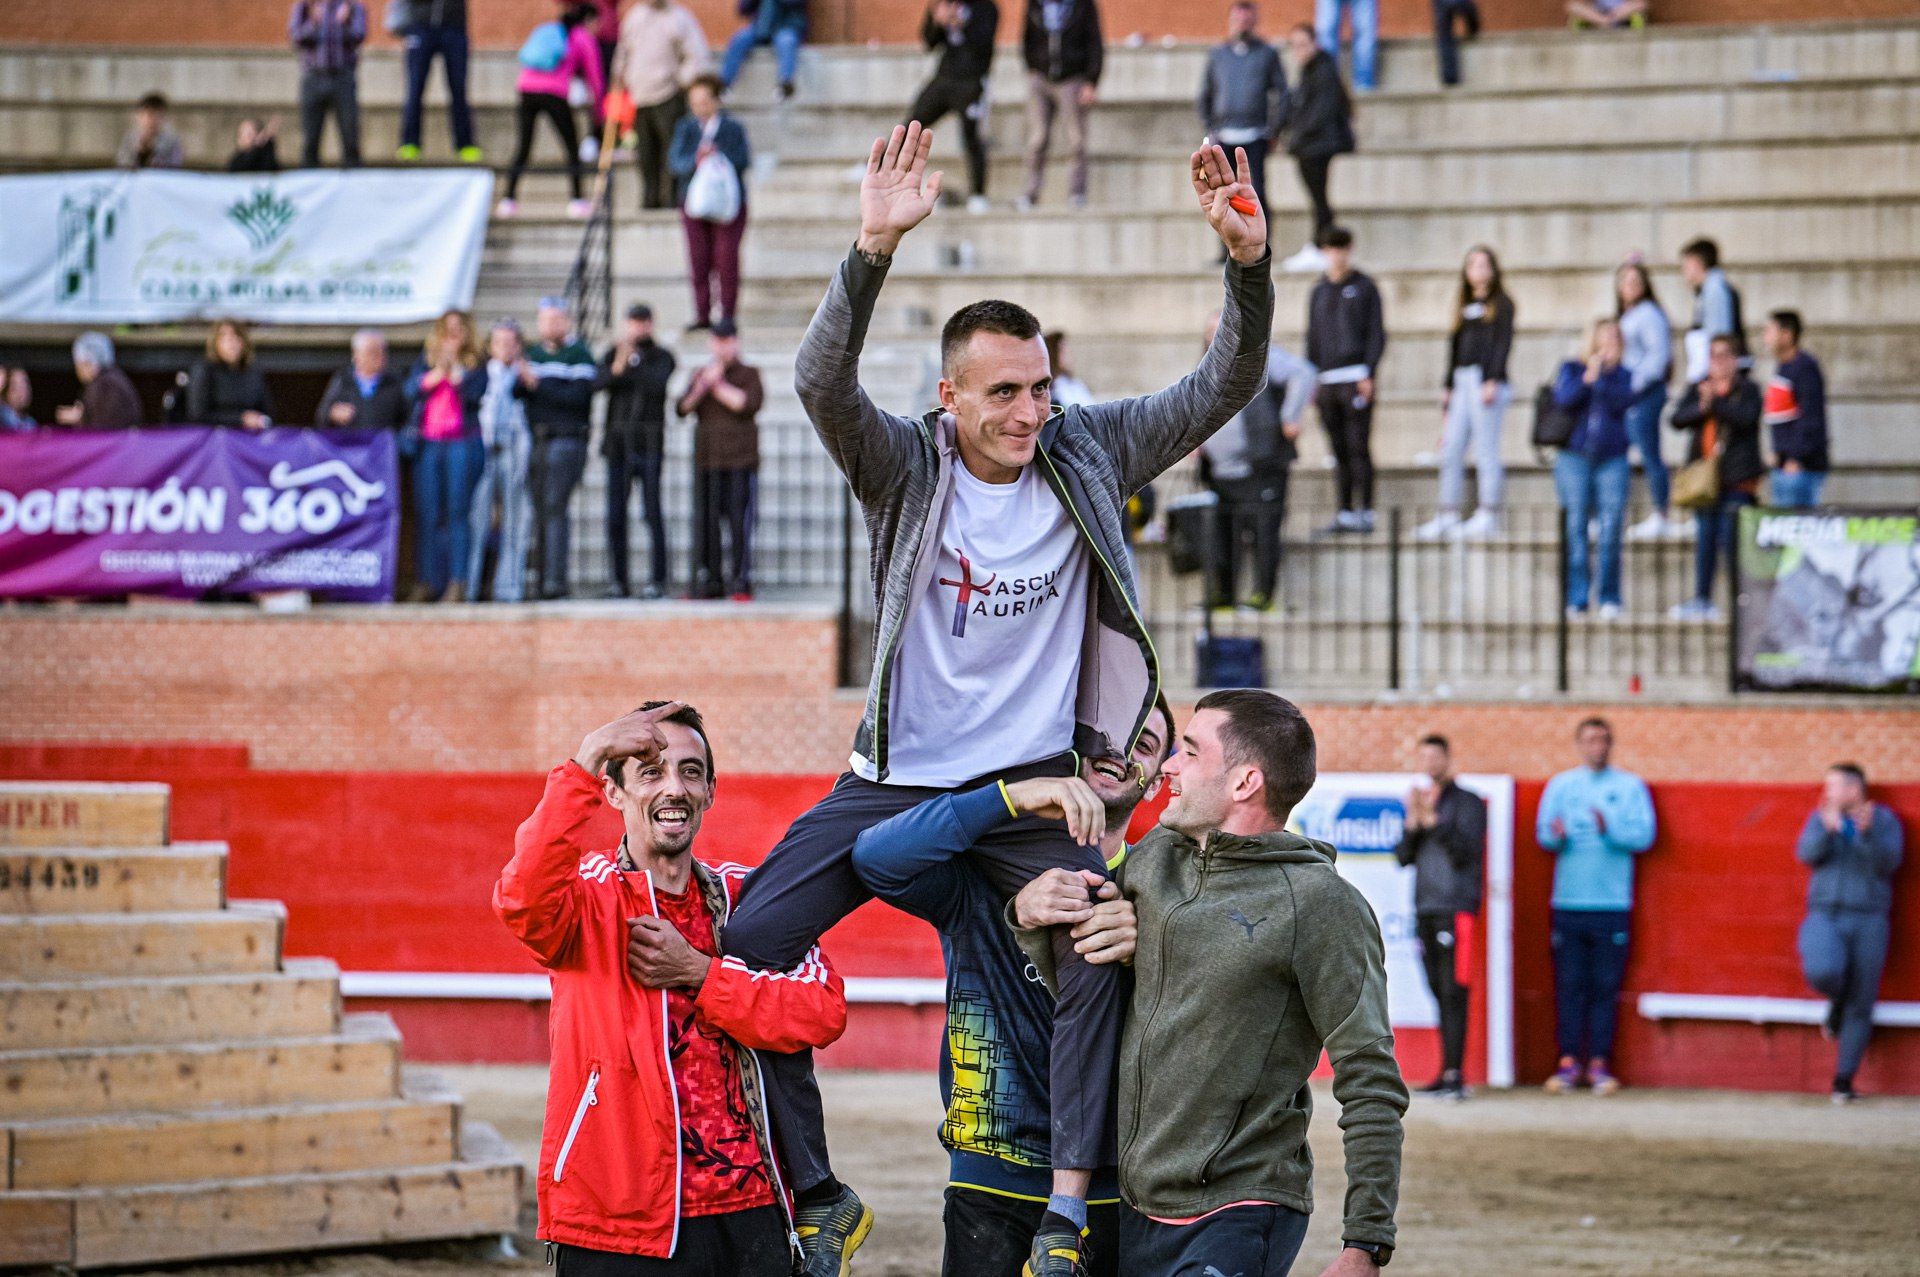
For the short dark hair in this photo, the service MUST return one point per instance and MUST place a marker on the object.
(1271, 733)
(155, 101)
(990, 316)
(709, 81)
(1166, 746)
(1703, 248)
(1854, 770)
(1789, 320)
(1335, 237)
(1438, 742)
(1303, 26)
(1728, 340)
(686, 716)
(1595, 721)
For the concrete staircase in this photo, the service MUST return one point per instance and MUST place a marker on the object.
(171, 1088)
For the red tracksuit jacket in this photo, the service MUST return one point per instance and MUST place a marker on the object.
(610, 1147)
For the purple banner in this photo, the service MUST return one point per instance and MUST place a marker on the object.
(194, 511)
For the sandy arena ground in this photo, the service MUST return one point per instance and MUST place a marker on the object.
(1693, 1183)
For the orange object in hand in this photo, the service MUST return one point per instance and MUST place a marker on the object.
(1241, 204)
(619, 109)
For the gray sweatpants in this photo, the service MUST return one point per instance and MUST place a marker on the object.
(1842, 953)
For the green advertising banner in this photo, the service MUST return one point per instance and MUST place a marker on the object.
(1828, 600)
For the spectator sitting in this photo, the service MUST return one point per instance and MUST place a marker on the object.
(963, 31)
(255, 147)
(503, 479)
(1474, 400)
(108, 400)
(1320, 127)
(1364, 22)
(1716, 307)
(1064, 53)
(1067, 389)
(437, 28)
(1722, 412)
(226, 387)
(781, 23)
(365, 395)
(556, 382)
(725, 397)
(151, 142)
(1609, 14)
(1591, 474)
(635, 372)
(444, 433)
(1243, 94)
(559, 51)
(1795, 406)
(16, 398)
(1648, 339)
(327, 35)
(713, 248)
(662, 49)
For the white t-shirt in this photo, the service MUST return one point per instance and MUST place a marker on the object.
(987, 666)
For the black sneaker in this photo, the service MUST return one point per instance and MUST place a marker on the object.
(1843, 1092)
(830, 1232)
(1055, 1251)
(1836, 1015)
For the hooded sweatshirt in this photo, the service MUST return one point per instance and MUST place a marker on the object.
(1253, 956)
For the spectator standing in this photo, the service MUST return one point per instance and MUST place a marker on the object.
(1064, 51)
(1722, 414)
(1594, 819)
(713, 248)
(1445, 842)
(438, 28)
(1591, 474)
(151, 142)
(256, 146)
(1716, 307)
(108, 400)
(1067, 389)
(1609, 15)
(1795, 408)
(558, 51)
(1320, 127)
(1853, 846)
(508, 442)
(1363, 20)
(16, 400)
(635, 373)
(1346, 336)
(1246, 464)
(1243, 93)
(365, 395)
(780, 23)
(963, 31)
(1474, 400)
(1648, 339)
(662, 49)
(444, 432)
(227, 387)
(1453, 21)
(327, 35)
(556, 382)
(725, 398)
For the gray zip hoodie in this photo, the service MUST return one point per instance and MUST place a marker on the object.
(1253, 956)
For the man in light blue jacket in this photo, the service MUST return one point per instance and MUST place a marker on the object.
(1596, 819)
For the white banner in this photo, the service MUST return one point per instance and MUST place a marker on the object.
(1362, 814)
(315, 247)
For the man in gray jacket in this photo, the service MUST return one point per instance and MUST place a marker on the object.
(1009, 639)
(1253, 955)
(1854, 845)
(1243, 93)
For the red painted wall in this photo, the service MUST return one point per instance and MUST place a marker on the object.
(393, 871)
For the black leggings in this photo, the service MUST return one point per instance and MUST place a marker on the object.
(1349, 422)
(531, 107)
(1313, 175)
(941, 96)
(1439, 951)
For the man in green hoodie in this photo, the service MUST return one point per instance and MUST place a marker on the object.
(1253, 955)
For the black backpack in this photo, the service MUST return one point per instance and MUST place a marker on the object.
(1553, 426)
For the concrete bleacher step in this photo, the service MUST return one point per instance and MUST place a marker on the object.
(416, 1128)
(244, 937)
(82, 814)
(360, 1062)
(302, 999)
(473, 1193)
(55, 880)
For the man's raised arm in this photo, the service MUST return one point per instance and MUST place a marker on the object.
(872, 447)
(1146, 435)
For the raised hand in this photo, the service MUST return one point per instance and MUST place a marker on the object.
(635, 735)
(897, 193)
(1065, 798)
(1218, 184)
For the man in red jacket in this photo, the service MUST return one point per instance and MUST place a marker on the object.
(656, 1158)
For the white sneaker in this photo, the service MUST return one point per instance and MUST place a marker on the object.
(1077, 202)
(1438, 527)
(1484, 523)
(1308, 261)
(1694, 610)
(1681, 529)
(1651, 528)
(1609, 611)
(507, 208)
(579, 210)
(589, 149)
(1023, 204)
(979, 204)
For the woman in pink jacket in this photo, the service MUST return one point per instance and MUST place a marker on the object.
(557, 53)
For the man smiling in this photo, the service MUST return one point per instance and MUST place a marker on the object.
(967, 508)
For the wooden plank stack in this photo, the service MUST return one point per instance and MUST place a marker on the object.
(171, 1088)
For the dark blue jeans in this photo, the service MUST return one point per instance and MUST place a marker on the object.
(1714, 541)
(451, 45)
(558, 465)
(1843, 953)
(1589, 970)
(624, 469)
(443, 482)
(1244, 1241)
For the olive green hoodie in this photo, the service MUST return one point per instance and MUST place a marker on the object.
(1253, 956)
